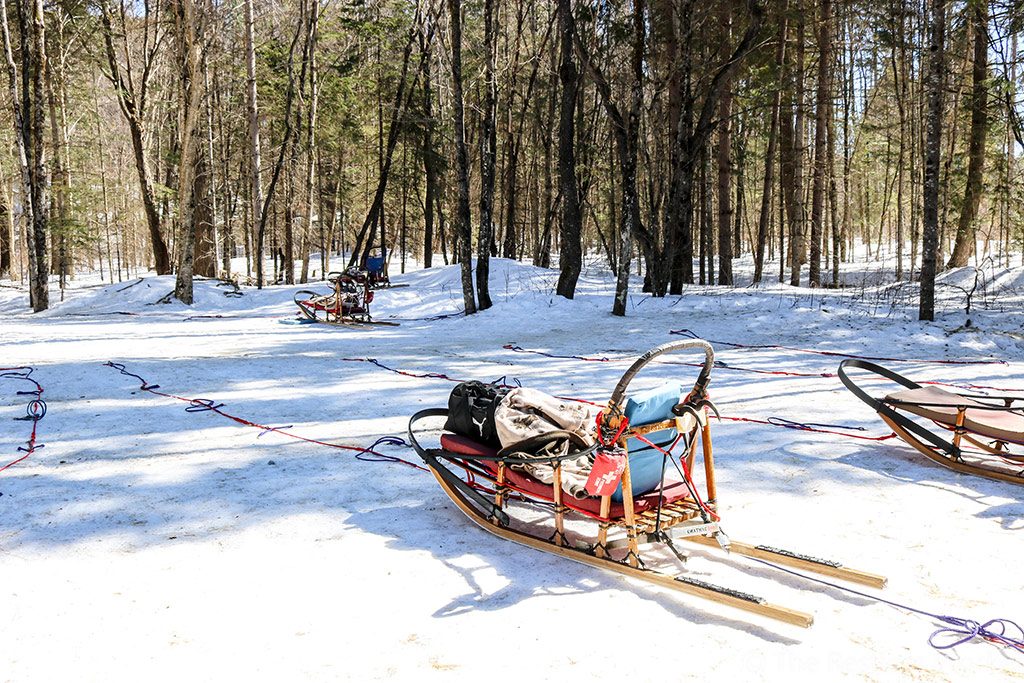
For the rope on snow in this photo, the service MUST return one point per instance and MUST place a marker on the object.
(957, 629)
(199, 405)
(34, 411)
(693, 335)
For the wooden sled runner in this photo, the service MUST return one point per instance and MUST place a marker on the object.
(347, 304)
(630, 530)
(987, 431)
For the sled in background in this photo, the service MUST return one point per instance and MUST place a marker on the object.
(376, 268)
(987, 430)
(632, 530)
(348, 304)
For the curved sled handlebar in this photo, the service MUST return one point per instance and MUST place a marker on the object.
(699, 387)
(876, 369)
(910, 384)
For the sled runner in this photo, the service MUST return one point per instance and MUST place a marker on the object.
(987, 430)
(348, 304)
(642, 468)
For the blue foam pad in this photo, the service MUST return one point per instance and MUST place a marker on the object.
(653, 405)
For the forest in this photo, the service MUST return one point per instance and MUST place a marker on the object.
(665, 138)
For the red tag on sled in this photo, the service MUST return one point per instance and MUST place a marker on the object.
(606, 472)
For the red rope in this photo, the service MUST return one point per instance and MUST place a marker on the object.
(693, 335)
(805, 428)
(722, 365)
(204, 405)
(36, 411)
(28, 451)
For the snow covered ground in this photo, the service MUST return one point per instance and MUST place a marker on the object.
(146, 542)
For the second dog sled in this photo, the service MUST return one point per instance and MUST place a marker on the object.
(347, 304)
(971, 433)
(647, 443)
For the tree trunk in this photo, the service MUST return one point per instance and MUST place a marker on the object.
(189, 55)
(463, 227)
(823, 105)
(255, 182)
(311, 123)
(430, 159)
(5, 238)
(724, 159)
(764, 218)
(796, 239)
(570, 250)
(965, 239)
(934, 89)
(488, 157)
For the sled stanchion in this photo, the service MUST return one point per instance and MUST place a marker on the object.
(709, 465)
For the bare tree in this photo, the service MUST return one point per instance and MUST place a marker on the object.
(977, 12)
(190, 53)
(132, 88)
(488, 152)
(570, 249)
(28, 115)
(463, 218)
(821, 160)
(933, 144)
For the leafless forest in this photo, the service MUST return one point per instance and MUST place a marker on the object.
(668, 137)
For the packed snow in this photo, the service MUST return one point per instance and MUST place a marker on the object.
(145, 541)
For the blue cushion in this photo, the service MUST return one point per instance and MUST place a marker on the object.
(653, 405)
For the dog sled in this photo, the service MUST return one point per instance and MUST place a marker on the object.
(347, 304)
(376, 268)
(970, 433)
(646, 493)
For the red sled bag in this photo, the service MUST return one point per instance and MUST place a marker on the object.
(606, 472)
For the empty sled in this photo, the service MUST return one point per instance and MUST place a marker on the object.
(970, 433)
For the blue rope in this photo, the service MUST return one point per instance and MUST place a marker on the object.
(144, 385)
(35, 410)
(432, 318)
(961, 630)
(520, 349)
(371, 454)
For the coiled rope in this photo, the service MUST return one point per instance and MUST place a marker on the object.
(956, 631)
(34, 411)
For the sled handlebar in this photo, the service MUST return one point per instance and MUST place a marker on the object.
(699, 387)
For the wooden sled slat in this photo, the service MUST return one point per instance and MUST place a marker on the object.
(797, 561)
(948, 461)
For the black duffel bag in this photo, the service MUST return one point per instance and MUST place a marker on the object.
(471, 411)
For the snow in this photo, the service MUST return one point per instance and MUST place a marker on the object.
(144, 540)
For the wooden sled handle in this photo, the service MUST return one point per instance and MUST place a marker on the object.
(699, 387)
